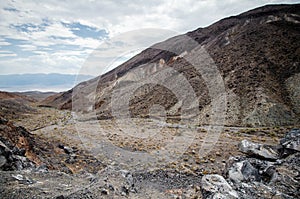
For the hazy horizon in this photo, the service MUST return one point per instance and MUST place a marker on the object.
(53, 82)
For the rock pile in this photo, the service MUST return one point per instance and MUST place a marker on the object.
(215, 186)
(13, 159)
(265, 172)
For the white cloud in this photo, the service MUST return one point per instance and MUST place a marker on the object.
(8, 55)
(53, 30)
(5, 51)
(4, 43)
(42, 63)
(113, 16)
(26, 47)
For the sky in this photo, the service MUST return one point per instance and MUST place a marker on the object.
(59, 36)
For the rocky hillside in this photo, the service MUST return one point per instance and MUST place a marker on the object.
(19, 149)
(37, 95)
(256, 53)
(17, 105)
(14, 106)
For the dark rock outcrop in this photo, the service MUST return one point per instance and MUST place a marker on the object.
(259, 176)
(259, 150)
(20, 149)
(292, 140)
(13, 159)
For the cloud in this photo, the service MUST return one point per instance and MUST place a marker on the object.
(4, 43)
(6, 54)
(27, 47)
(57, 36)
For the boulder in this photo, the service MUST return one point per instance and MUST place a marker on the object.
(291, 140)
(5, 156)
(2, 160)
(243, 171)
(259, 150)
(215, 186)
(13, 159)
(258, 175)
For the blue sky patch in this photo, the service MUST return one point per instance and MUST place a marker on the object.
(11, 9)
(16, 49)
(85, 31)
(30, 27)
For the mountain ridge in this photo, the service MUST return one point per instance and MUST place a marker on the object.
(256, 52)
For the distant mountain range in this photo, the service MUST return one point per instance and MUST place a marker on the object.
(40, 82)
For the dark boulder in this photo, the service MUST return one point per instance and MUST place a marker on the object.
(259, 150)
(291, 141)
(264, 172)
(13, 159)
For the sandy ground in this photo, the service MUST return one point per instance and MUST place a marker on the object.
(165, 160)
(148, 144)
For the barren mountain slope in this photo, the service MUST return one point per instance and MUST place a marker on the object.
(257, 55)
(14, 106)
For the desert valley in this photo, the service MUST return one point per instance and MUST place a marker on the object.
(213, 113)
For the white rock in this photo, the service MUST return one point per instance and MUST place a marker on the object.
(215, 185)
